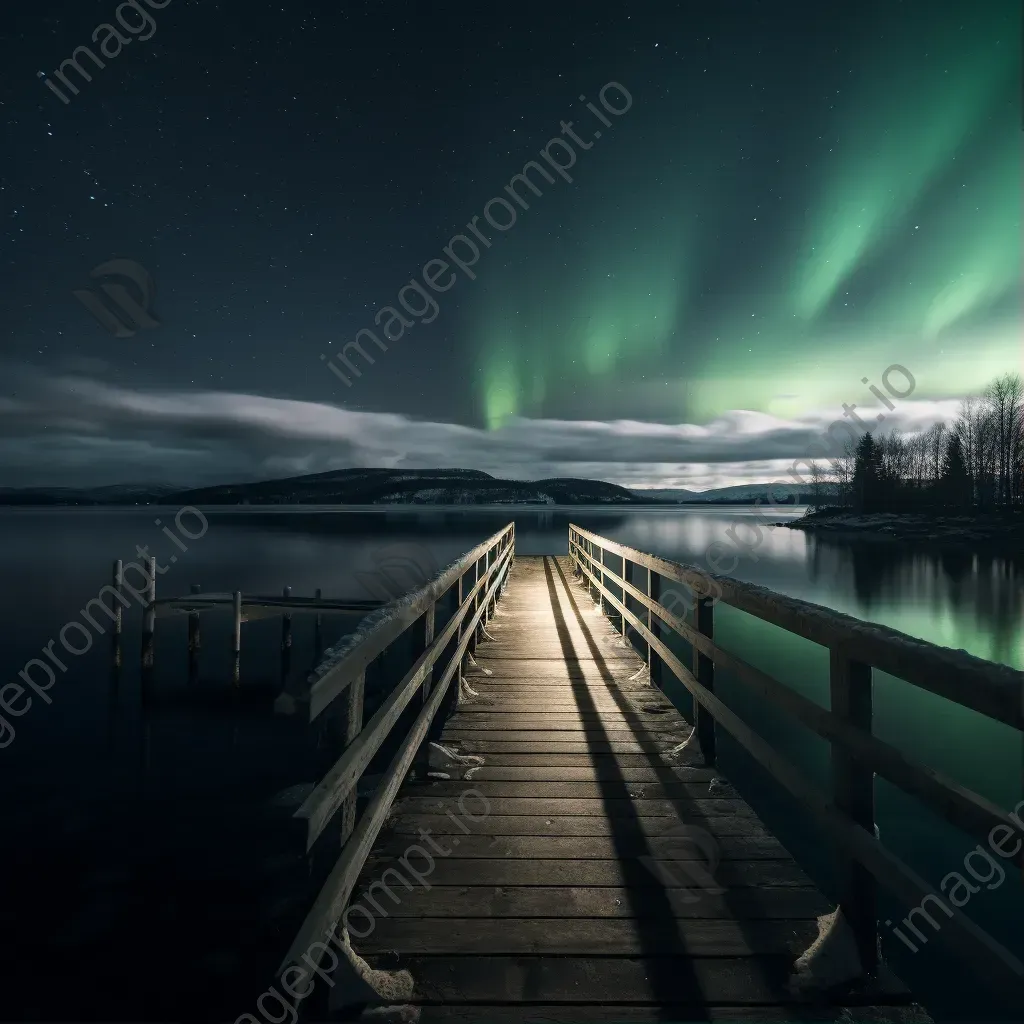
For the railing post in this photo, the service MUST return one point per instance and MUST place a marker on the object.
(625, 577)
(653, 658)
(351, 724)
(460, 597)
(854, 794)
(704, 673)
(492, 559)
(421, 761)
(473, 607)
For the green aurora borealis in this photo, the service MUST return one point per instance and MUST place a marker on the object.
(799, 196)
(763, 242)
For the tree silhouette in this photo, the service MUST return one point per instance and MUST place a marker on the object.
(866, 475)
(955, 484)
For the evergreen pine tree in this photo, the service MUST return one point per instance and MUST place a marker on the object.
(865, 475)
(955, 485)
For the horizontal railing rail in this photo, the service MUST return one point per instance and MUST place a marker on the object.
(200, 602)
(479, 577)
(847, 814)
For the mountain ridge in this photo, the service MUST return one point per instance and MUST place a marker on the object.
(377, 486)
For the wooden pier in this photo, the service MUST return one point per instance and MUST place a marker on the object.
(565, 893)
(514, 822)
(566, 849)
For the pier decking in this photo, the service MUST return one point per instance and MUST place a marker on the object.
(591, 869)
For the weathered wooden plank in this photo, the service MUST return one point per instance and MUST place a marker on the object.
(618, 714)
(512, 693)
(467, 722)
(503, 871)
(575, 825)
(554, 695)
(693, 937)
(669, 848)
(557, 743)
(588, 739)
(509, 652)
(551, 670)
(563, 723)
(615, 788)
(555, 761)
(570, 902)
(608, 772)
(689, 811)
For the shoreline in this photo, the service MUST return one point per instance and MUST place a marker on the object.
(1001, 530)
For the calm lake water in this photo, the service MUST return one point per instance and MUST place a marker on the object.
(146, 873)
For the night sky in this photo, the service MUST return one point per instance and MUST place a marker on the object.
(798, 196)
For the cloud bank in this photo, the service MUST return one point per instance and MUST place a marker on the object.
(79, 431)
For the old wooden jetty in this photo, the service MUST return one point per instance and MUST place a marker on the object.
(552, 841)
(547, 838)
(241, 607)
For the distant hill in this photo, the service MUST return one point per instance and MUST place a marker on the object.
(350, 487)
(740, 494)
(411, 487)
(665, 493)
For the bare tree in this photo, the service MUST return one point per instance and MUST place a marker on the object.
(820, 479)
(842, 471)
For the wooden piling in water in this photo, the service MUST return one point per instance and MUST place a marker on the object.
(318, 646)
(149, 617)
(236, 637)
(286, 639)
(116, 607)
(286, 622)
(118, 588)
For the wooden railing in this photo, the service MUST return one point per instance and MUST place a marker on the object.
(478, 577)
(847, 815)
